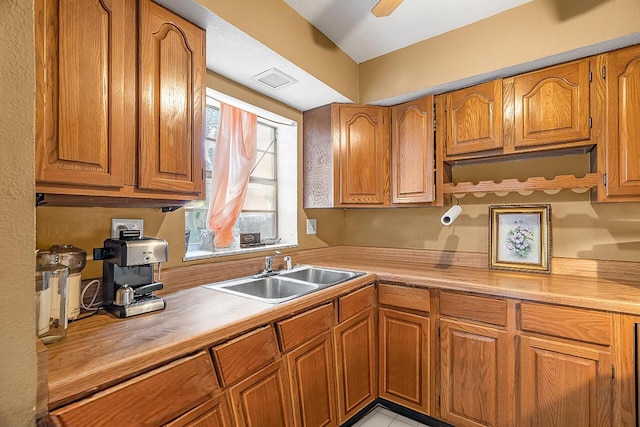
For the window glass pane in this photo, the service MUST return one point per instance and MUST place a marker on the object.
(266, 135)
(266, 166)
(212, 121)
(260, 197)
(263, 223)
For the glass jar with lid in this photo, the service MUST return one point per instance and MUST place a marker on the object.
(51, 297)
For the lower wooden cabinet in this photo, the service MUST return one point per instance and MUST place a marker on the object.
(213, 413)
(263, 399)
(355, 349)
(404, 375)
(564, 384)
(154, 398)
(473, 381)
(312, 378)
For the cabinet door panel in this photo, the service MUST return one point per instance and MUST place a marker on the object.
(473, 372)
(364, 155)
(552, 105)
(171, 101)
(474, 118)
(262, 399)
(563, 384)
(623, 114)
(412, 152)
(404, 359)
(85, 89)
(311, 372)
(355, 348)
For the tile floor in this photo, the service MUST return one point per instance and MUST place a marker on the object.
(383, 417)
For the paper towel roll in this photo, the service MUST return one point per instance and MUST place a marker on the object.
(451, 215)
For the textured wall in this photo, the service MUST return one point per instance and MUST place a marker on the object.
(17, 308)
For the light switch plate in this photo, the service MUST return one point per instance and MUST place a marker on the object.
(312, 226)
(118, 224)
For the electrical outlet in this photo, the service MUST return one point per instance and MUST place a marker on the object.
(312, 226)
(118, 224)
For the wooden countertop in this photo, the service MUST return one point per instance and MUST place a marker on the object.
(103, 350)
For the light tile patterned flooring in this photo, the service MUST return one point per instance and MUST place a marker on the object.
(383, 417)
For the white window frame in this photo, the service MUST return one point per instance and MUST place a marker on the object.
(286, 176)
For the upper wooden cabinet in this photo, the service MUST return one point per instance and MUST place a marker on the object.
(413, 152)
(346, 156)
(474, 118)
(622, 146)
(85, 91)
(172, 101)
(89, 140)
(552, 105)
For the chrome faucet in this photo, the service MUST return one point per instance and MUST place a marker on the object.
(268, 263)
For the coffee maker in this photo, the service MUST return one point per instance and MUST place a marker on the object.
(128, 273)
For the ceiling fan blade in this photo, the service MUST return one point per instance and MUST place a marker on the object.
(385, 7)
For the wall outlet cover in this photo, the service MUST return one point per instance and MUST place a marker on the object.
(312, 226)
(118, 224)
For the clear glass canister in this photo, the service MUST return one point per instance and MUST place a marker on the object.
(76, 259)
(51, 312)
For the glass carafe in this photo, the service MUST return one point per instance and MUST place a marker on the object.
(51, 297)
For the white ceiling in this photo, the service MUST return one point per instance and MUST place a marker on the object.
(362, 36)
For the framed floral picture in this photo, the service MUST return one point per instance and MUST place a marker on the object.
(520, 238)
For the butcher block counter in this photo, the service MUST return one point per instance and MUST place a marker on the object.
(102, 351)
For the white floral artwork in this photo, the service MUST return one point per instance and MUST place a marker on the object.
(519, 238)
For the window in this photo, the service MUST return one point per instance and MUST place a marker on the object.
(270, 204)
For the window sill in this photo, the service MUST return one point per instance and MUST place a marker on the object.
(200, 254)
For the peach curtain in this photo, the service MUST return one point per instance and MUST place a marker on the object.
(234, 158)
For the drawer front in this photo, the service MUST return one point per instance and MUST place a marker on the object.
(476, 308)
(304, 327)
(356, 302)
(404, 296)
(566, 322)
(246, 354)
(153, 398)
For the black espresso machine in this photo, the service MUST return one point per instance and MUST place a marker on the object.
(128, 273)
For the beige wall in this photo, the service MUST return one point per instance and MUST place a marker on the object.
(282, 29)
(579, 229)
(88, 227)
(529, 32)
(17, 215)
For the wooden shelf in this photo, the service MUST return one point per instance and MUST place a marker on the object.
(560, 182)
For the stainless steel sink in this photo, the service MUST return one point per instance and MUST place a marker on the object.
(271, 288)
(284, 285)
(319, 276)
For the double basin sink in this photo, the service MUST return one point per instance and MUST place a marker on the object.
(284, 285)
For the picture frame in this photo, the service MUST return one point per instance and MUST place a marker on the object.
(520, 238)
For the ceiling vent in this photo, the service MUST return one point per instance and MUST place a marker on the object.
(275, 78)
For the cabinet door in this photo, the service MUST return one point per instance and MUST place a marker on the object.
(85, 91)
(213, 413)
(355, 347)
(623, 117)
(311, 373)
(412, 152)
(552, 105)
(404, 359)
(262, 399)
(172, 101)
(564, 384)
(364, 155)
(473, 363)
(474, 118)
